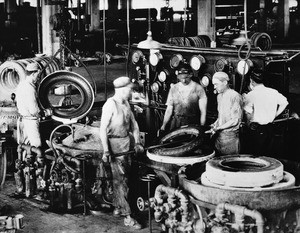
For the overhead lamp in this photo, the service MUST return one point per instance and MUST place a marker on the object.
(149, 43)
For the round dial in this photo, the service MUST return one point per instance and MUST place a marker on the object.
(155, 87)
(162, 76)
(196, 62)
(243, 67)
(154, 59)
(220, 64)
(136, 56)
(175, 60)
(204, 81)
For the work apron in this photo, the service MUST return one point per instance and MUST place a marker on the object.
(28, 131)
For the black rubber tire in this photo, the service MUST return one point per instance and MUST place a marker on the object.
(67, 77)
(184, 149)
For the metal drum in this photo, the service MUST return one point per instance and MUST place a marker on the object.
(12, 72)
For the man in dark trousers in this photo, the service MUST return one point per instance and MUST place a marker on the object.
(262, 105)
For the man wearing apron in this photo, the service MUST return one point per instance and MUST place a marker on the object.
(230, 114)
(186, 102)
(117, 127)
(28, 108)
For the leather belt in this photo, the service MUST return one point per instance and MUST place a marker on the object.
(117, 136)
(28, 118)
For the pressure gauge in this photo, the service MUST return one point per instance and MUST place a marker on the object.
(136, 56)
(175, 60)
(244, 66)
(162, 76)
(154, 58)
(204, 81)
(221, 64)
(196, 62)
(155, 87)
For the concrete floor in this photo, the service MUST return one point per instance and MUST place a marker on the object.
(36, 219)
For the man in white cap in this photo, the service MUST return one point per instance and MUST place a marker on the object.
(186, 102)
(118, 132)
(28, 108)
(230, 114)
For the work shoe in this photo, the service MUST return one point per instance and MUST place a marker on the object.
(117, 211)
(130, 222)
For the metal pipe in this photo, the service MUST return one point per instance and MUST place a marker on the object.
(241, 211)
(159, 197)
(38, 25)
(78, 15)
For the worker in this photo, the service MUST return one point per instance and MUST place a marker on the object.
(226, 128)
(261, 105)
(28, 108)
(118, 131)
(186, 102)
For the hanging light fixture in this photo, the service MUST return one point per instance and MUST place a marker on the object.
(149, 43)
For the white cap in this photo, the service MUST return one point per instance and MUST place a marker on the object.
(220, 75)
(122, 82)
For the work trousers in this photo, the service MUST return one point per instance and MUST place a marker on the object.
(261, 139)
(120, 167)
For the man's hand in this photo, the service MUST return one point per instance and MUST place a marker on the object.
(139, 149)
(48, 112)
(106, 157)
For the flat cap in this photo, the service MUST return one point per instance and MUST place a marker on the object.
(32, 67)
(222, 76)
(184, 69)
(122, 82)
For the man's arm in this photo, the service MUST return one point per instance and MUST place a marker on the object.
(135, 129)
(104, 123)
(167, 116)
(32, 103)
(281, 104)
(203, 109)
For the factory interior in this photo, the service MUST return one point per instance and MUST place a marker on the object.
(196, 161)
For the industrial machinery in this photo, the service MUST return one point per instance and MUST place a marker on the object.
(154, 70)
(225, 195)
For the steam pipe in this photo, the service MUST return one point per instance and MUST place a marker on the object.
(159, 197)
(241, 211)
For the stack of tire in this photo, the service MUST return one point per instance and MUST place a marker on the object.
(261, 40)
(200, 41)
(13, 71)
